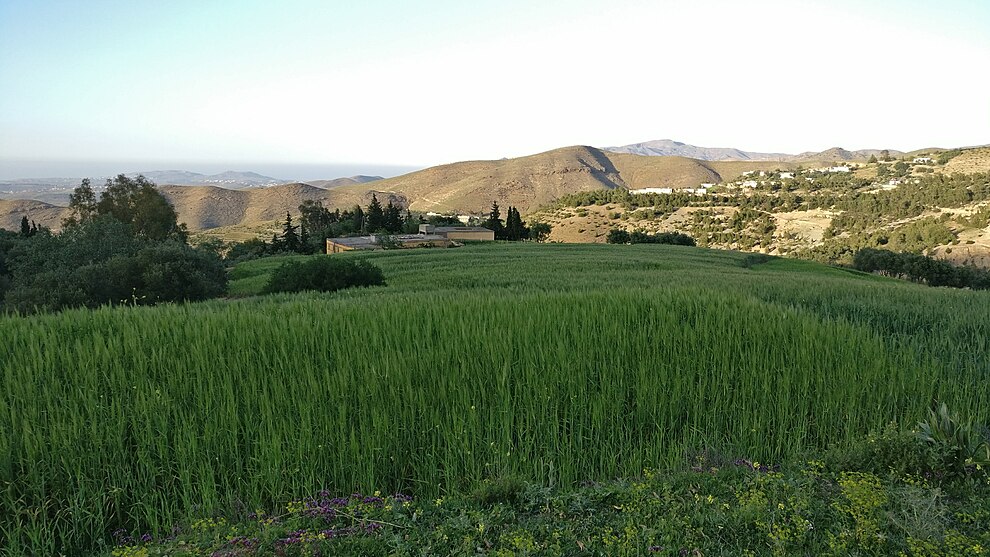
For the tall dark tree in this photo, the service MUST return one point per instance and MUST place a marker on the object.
(304, 246)
(375, 219)
(358, 218)
(515, 228)
(290, 238)
(494, 222)
(25, 227)
(393, 218)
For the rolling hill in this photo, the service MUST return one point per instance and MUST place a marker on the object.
(205, 207)
(45, 214)
(536, 180)
(350, 181)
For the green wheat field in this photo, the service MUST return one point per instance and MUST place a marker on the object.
(560, 363)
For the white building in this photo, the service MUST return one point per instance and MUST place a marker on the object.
(652, 190)
(786, 175)
(922, 160)
(750, 184)
(837, 169)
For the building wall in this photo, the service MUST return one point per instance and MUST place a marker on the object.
(486, 235)
(440, 243)
(333, 247)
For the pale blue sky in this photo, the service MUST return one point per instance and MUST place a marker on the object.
(422, 83)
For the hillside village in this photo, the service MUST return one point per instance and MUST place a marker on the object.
(788, 210)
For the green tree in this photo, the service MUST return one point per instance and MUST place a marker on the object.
(375, 219)
(515, 228)
(290, 238)
(82, 203)
(539, 231)
(873, 159)
(617, 236)
(494, 222)
(137, 203)
(393, 218)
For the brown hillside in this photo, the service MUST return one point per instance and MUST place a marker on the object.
(663, 172)
(969, 161)
(45, 214)
(530, 182)
(525, 182)
(205, 207)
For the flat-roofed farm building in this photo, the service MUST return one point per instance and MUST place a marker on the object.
(337, 245)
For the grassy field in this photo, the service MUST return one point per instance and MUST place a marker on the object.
(557, 363)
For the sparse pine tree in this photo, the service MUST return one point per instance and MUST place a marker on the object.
(290, 238)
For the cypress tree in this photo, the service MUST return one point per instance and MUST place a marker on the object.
(376, 215)
(494, 222)
(393, 218)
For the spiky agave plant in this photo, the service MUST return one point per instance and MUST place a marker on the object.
(962, 446)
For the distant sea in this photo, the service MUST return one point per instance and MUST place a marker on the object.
(13, 169)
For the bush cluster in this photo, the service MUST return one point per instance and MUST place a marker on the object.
(323, 274)
(101, 261)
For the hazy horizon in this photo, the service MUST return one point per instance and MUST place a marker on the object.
(12, 169)
(440, 81)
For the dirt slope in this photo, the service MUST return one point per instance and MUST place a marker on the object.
(45, 214)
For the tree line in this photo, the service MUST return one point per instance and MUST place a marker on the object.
(618, 236)
(922, 269)
(514, 228)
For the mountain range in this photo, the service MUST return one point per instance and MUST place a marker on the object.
(671, 148)
(526, 183)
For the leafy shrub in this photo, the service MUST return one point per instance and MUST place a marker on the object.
(890, 451)
(753, 259)
(172, 272)
(616, 236)
(323, 274)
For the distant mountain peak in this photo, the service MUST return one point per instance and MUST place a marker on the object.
(671, 148)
